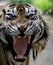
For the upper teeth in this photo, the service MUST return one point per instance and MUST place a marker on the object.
(29, 37)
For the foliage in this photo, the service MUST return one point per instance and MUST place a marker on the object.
(42, 4)
(20, 1)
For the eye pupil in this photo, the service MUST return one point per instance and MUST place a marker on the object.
(8, 10)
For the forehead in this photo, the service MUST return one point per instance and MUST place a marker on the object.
(11, 5)
(16, 5)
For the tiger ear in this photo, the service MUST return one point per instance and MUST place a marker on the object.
(2, 13)
(3, 10)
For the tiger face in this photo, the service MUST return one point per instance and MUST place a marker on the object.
(21, 18)
(24, 30)
(20, 27)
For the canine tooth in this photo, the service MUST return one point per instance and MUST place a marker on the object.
(19, 37)
(14, 39)
(29, 37)
(24, 36)
(25, 57)
(15, 57)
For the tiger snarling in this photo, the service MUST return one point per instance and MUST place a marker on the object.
(23, 30)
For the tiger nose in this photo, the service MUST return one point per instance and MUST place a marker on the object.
(22, 28)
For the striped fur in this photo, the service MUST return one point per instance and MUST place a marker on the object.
(16, 15)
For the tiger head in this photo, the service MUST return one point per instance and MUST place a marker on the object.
(20, 16)
(20, 21)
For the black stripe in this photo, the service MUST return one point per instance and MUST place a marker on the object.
(28, 5)
(33, 55)
(12, 4)
(45, 33)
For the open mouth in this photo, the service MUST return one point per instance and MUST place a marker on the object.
(20, 46)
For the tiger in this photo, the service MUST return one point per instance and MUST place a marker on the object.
(24, 33)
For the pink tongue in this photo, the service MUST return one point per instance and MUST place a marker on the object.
(20, 46)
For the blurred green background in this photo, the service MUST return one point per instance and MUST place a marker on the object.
(44, 5)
